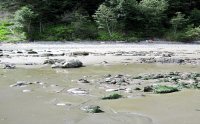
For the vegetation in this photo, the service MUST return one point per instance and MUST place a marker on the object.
(112, 96)
(128, 20)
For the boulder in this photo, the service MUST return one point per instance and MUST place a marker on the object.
(72, 64)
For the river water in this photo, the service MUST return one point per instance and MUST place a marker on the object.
(39, 105)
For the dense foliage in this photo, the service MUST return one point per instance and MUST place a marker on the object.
(100, 19)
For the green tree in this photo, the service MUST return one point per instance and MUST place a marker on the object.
(106, 19)
(195, 17)
(23, 19)
(178, 22)
(152, 14)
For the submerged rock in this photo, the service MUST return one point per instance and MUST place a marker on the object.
(77, 91)
(165, 89)
(19, 84)
(84, 81)
(26, 91)
(91, 109)
(112, 96)
(9, 66)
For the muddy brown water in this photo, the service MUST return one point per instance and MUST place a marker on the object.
(39, 106)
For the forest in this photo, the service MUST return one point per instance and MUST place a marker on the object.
(99, 20)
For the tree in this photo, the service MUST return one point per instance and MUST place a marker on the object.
(106, 19)
(178, 21)
(23, 19)
(195, 17)
(152, 14)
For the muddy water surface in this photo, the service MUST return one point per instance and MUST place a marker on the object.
(39, 105)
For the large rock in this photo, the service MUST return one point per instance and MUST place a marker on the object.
(72, 64)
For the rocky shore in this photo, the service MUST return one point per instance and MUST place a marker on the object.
(58, 54)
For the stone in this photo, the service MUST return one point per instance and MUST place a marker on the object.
(77, 91)
(80, 53)
(128, 90)
(111, 90)
(147, 60)
(56, 65)
(46, 54)
(19, 84)
(31, 52)
(72, 64)
(91, 109)
(63, 104)
(84, 81)
(54, 61)
(165, 89)
(148, 89)
(26, 91)
(9, 66)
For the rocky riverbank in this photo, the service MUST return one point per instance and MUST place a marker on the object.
(42, 54)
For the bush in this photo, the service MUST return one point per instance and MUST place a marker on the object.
(4, 31)
(116, 36)
(55, 33)
(165, 89)
(193, 34)
(113, 96)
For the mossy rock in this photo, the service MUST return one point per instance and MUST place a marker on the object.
(165, 89)
(113, 96)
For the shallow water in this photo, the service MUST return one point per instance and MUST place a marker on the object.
(39, 106)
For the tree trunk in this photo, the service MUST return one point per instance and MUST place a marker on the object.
(108, 28)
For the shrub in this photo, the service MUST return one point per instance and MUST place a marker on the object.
(56, 33)
(4, 31)
(116, 36)
(193, 33)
